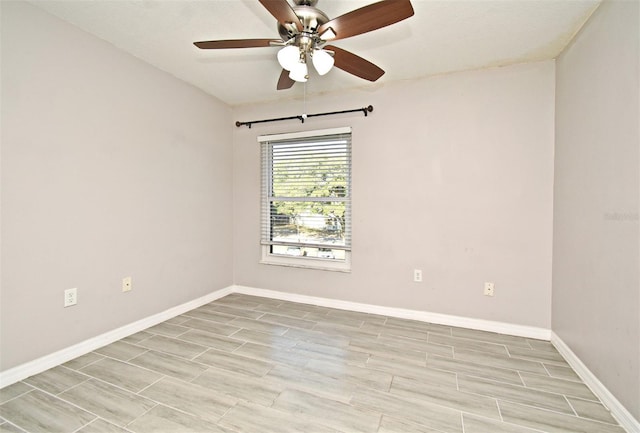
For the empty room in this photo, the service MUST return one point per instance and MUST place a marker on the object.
(240, 216)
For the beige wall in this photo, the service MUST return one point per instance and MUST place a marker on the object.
(110, 168)
(596, 289)
(452, 175)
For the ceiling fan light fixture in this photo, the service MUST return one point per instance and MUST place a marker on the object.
(288, 57)
(299, 72)
(322, 61)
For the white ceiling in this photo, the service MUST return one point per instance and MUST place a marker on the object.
(443, 36)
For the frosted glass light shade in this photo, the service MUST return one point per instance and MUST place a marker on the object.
(322, 61)
(289, 56)
(299, 72)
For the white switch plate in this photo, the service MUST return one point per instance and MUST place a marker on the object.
(126, 284)
(417, 275)
(70, 297)
(489, 289)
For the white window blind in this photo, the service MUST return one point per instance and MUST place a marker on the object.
(306, 193)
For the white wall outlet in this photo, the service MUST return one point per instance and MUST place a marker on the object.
(70, 297)
(126, 284)
(488, 289)
(417, 275)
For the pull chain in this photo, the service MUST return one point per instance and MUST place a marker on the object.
(304, 102)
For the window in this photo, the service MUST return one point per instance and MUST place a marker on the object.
(306, 198)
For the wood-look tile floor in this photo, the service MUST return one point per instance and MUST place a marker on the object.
(249, 364)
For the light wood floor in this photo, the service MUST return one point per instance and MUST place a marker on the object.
(248, 364)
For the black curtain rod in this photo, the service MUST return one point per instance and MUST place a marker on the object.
(302, 117)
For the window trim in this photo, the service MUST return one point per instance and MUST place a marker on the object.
(300, 262)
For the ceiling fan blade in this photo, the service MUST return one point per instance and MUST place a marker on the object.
(354, 65)
(368, 18)
(282, 11)
(284, 82)
(234, 43)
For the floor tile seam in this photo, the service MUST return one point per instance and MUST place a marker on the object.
(126, 426)
(120, 388)
(240, 372)
(347, 403)
(105, 420)
(564, 397)
(70, 403)
(282, 313)
(469, 394)
(430, 405)
(507, 423)
(468, 340)
(575, 412)
(410, 422)
(562, 363)
(313, 390)
(161, 378)
(420, 401)
(531, 404)
(528, 388)
(167, 405)
(288, 326)
(96, 419)
(146, 350)
(534, 350)
(229, 409)
(591, 419)
(169, 335)
(403, 375)
(131, 365)
(75, 386)
(16, 426)
(503, 357)
(231, 317)
(552, 411)
(501, 366)
(499, 411)
(600, 421)
(566, 393)
(140, 341)
(32, 388)
(212, 346)
(86, 365)
(197, 363)
(175, 354)
(410, 339)
(552, 347)
(502, 369)
(39, 388)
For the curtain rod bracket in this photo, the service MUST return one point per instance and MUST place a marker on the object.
(301, 118)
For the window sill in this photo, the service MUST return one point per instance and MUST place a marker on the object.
(308, 263)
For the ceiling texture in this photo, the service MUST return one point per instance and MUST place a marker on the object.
(443, 36)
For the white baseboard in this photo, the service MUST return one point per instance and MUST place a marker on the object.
(626, 420)
(39, 365)
(423, 316)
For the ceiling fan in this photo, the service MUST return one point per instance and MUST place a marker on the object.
(304, 30)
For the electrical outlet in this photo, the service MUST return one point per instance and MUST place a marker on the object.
(417, 275)
(126, 284)
(489, 289)
(70, 297)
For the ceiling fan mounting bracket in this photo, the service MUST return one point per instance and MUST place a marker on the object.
(306, 2)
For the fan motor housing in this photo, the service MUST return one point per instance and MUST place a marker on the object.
(311, 19)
